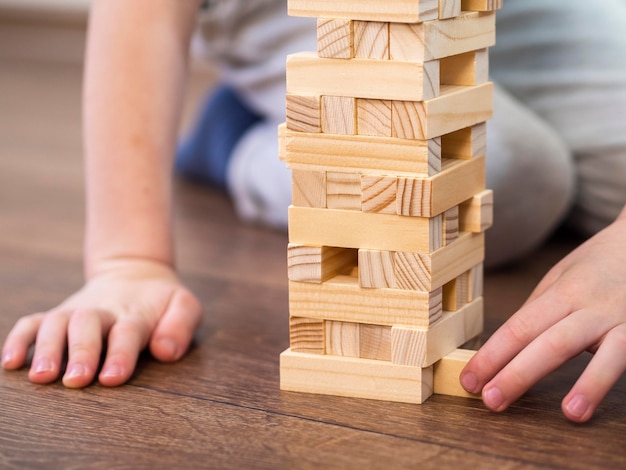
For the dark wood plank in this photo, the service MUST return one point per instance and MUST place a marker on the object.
(220, 406)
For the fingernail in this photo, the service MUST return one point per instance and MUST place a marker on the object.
(469, 382)
(7, 357)
(43, 365)
(112, 371)
(493, 398)
(578, 406)
(168, 348)
(77, 370)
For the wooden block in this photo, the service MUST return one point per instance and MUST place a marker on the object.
(376, 269)
(450, 225)
(352, 229)
(378, 194)
(373, 117)
(456, 293)
(449, 8)
(375, 342)
(318, 263)
(447, 372)
(343, 191)
(335, 152)
(457, 107)
(469, 68)
(475, 282)
(308, 188)
(371, 40)
(306, 335)
(467, 143)
(351, 377)
(481, 5)
(426, 197)
(303, 113)
(425, 272)
(437, 39)
(308, 74)
(410, 11)
(334, 38)
(342, 299)
(342, 338)
(476, 214)
(338, 115)
(422, 347)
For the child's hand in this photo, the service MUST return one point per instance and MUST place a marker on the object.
(133, 303)
(579, 305)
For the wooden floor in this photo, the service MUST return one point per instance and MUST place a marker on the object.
(220, 406)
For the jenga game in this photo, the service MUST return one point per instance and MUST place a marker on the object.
(385, 136)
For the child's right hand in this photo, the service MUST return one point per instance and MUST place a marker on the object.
(130, 303)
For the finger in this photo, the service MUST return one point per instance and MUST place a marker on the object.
(176, 327)
(604, 370)
(84, 344)
(551, 349)
(19, 340)
(517, 333)
(126, 340)
(49, 348)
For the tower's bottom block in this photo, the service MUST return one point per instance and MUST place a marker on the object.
(352, 377)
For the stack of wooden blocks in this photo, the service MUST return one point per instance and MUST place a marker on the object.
(385, 137)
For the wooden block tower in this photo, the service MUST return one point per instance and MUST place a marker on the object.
(385, 137)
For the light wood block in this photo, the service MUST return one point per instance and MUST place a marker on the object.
(303, 113)
(338, 115)
(342, 338)
(342, 299)
(467, 143)
(306, 335)
(475, 282)
(481, 5)
(456, 293)
(352, 229)
(476, 214)
(335, 152)
(335, 38)
(469, 68)
(456, 108)
(437, 39)
(343, 191)
(378, 194)
(449, 8)
(375, 342)
(318, 263)
(376, 269)
(447, 372)
(423, 347)
(373, 117)
(450, 225)
(426, 197)
(351, 377)
(426, 272)
(371, 40)
(308, 74)
(410, 11)
(308, 188)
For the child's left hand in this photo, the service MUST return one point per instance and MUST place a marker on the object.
(579, 305)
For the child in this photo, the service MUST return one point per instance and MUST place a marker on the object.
(571, 75)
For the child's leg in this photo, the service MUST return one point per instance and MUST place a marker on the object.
(531, 173)
(567, 62)
(205, 153)
(258, 180)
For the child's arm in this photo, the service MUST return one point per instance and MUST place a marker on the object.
(579, 305)
(134, 78)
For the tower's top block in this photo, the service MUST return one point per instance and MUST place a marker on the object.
(399, 11)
